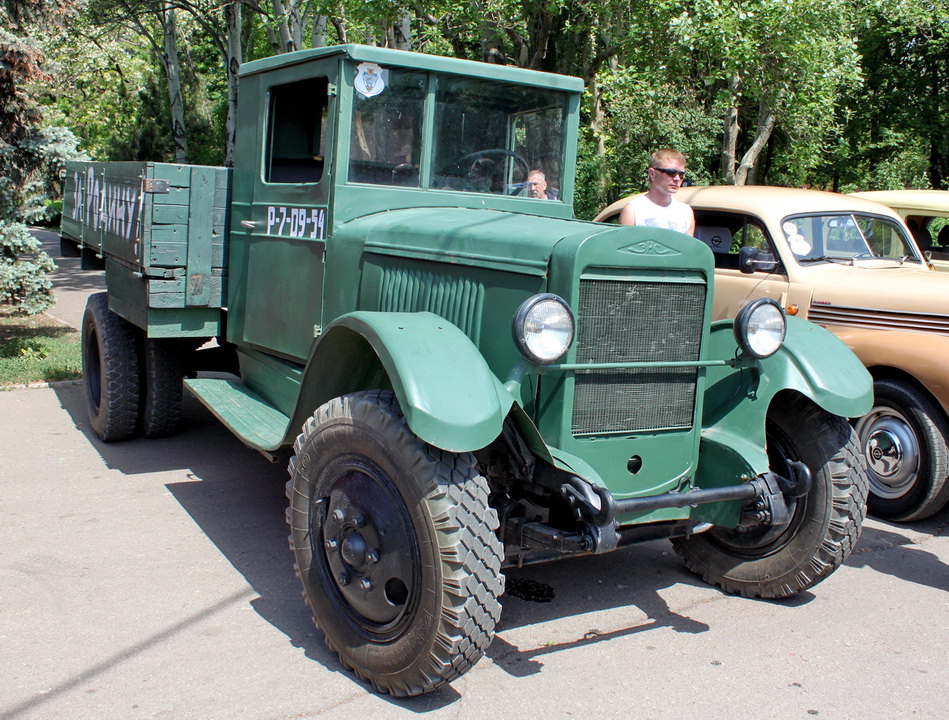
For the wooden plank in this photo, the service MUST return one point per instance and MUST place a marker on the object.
(200, 236)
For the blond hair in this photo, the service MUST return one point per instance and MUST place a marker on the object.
(660, 157)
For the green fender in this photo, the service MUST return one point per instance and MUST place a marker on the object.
(812, 362)
(449, 396)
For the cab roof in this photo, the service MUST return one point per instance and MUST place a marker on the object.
(419, 61)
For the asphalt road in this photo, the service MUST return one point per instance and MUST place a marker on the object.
(152, 579)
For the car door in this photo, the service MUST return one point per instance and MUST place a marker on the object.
(726, 233)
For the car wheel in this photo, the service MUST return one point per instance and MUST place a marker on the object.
(779, 561)
(110, 370)
(395, 545)
(161, 387)
(904, 441)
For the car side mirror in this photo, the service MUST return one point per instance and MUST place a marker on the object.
(752, 259)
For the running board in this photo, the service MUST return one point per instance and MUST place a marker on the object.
(245, 413)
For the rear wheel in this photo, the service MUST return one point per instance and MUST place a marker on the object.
(395, 545)
(903, 439)
(110, 369)
(161, 387)
(779, 561)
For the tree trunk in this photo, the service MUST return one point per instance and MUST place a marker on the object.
(730, 130)
(232, 63)
(766, 123)
(169, 59)
(284, 21)
(402, 33)
(318, 36)
(597, 123)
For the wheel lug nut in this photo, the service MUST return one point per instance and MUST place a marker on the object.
(366, 585)
(331, 544)
(359, 520)
(339, 515)
(372, 556)
(344, 579)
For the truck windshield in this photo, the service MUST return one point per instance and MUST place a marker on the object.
(847, 237)
(497, 138)
(488, 137)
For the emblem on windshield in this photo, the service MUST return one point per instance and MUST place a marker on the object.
(369, 81)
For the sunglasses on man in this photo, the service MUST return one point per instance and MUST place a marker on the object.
(671, 172)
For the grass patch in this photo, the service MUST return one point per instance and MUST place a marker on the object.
(38, 349)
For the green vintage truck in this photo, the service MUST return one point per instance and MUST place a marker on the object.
(469, 378)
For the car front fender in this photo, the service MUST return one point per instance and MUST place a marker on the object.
(447, 392)
(812, 362)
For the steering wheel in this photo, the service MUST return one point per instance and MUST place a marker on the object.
(484, 167)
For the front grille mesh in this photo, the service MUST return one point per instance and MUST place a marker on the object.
(636, 321)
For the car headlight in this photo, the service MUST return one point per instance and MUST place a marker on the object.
(544, 328)
(760, 327)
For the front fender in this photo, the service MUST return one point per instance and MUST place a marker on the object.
(920, 355)
(449, 396)
(812, 362)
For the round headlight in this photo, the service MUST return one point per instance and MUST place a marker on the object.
(543, 328)
(760, 328)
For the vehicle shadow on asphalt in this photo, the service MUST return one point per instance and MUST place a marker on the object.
(891, 552)
(237, 498)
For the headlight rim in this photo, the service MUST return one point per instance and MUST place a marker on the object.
(520, 316)
(742, 320)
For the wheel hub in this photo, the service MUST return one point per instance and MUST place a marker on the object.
(892, 453)
(369, 549)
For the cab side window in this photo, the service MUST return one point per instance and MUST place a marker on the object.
(727, 233)
(296, 132)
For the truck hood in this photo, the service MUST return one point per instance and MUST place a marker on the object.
(506, 241)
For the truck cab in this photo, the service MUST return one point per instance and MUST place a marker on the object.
(465, 376)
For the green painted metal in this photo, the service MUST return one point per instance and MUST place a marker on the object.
(245, 413)
(448, 394)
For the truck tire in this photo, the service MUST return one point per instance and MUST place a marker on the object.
(395, 545)
(110, 370)
(777, 562)
(161, 387)
(904, 440)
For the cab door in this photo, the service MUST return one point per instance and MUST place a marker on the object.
(289, 211)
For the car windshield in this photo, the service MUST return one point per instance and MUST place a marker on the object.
(847, 237)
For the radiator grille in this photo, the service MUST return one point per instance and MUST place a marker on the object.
(637, 321)
(879, 319)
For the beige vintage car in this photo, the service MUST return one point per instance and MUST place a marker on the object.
(848, 264)
(926, 213)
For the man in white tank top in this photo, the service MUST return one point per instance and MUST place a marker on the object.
(657, 207)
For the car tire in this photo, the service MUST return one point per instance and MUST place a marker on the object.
(777, 562)
(904, 441)
(110, 369)
(162, 387)
(395, 545)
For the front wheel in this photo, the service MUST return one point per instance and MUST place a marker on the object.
(779, 561)
(395, 545)
(904, 441)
